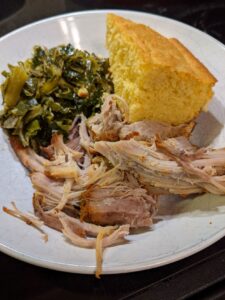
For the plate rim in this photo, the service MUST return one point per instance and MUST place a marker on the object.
(104, 11)
(79, 269)
(74, 268)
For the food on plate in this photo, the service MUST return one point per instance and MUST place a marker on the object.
(160, 79)
(43, 94)
(105, 180)
(163, 161)
(97, 175)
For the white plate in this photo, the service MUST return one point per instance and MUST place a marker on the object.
(185, 226)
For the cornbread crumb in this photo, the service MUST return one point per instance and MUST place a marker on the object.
(160, 79)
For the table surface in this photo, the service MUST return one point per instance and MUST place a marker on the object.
(202, 275)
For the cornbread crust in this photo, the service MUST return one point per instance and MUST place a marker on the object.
(197, 67)
(158, 76)
(155, 48)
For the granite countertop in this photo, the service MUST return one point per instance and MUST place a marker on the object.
(201, 275)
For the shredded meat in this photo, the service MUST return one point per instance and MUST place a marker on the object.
(110, 125)
(107, 124)
(107, 177)
(148, 130)
(27, 218)
(118, 203)
(28, 157)
(49, 219)
(170, 173)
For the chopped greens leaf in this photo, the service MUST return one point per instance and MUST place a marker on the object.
(43, 94)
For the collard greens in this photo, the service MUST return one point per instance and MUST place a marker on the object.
(44, 94)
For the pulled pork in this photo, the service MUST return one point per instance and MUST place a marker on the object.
(107, 177)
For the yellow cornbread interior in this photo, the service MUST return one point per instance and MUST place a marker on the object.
(160, 79)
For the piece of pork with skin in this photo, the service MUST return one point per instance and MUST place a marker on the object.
(110, 125)
(139, 157)
(147, 130)
(107, 201)
(118, 203)
(77, 231)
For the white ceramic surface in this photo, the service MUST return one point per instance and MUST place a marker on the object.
(183, 227)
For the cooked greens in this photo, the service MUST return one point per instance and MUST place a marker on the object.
(44, 94)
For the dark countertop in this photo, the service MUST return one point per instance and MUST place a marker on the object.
(201, 276)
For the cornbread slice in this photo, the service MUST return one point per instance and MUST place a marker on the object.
(160, 79)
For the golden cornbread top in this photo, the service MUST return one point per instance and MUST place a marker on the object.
(153, 48)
